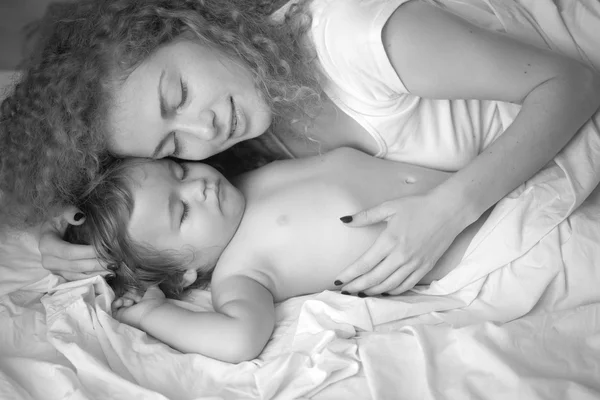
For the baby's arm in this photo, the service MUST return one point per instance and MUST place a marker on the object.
(237, 331)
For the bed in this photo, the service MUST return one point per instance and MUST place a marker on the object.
(519, 318)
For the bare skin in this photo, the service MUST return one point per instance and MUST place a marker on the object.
(289, 242)
(428, 48)
(291, 227)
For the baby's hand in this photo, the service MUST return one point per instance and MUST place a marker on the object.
(131, 307)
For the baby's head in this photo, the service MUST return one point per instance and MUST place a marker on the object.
(159, 222)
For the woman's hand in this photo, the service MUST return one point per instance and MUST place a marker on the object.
(71, 261)
(131, 308)
(419, 230)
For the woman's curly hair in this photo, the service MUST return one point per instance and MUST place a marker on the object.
(53, 131)
(107, 205)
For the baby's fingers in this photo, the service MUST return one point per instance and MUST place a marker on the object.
(123, 302)
(117, 303)
(127, 302)
(135, 297)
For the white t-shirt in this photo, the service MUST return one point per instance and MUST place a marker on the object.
(441, 134)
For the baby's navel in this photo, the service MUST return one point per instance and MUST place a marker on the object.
(409, 180)
(283, 220)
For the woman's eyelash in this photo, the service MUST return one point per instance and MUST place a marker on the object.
(184, 93)
(186, 210)
(176, 146)
(185, 169)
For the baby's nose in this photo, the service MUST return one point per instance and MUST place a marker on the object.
(195, 190)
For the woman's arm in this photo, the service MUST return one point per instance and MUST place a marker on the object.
(236, 332)
(439, 55)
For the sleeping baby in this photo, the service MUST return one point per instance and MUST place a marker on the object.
(268, 235)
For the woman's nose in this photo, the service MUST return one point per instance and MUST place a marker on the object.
(201, 125)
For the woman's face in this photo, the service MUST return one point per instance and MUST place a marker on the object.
(186, 100)
(184, 207)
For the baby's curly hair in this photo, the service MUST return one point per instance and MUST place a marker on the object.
(107, 206)
(53, 131)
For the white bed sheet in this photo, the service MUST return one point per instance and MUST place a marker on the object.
(519, 318)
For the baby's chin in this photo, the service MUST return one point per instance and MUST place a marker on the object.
(235, 204)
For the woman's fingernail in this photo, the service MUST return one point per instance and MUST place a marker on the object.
(110, 276)
(384, 294)
(78, 216)
(362, 294)
(346, 219)
(338, 283)
(112, 267)
(344, 292)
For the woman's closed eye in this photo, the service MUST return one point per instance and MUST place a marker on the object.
(184, 94)
(184, 171)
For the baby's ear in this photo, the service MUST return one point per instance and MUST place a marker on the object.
(189, 277)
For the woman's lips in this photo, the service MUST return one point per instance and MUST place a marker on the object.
(238, 120)
(234, 120)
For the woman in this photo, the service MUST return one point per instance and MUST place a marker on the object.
(190, 79)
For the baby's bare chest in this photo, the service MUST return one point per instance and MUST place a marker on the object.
(295, 240)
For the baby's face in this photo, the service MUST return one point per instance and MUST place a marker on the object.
(184, 207)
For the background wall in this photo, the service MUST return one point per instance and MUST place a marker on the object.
(14, 16)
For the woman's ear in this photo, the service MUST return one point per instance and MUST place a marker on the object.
(189, 277)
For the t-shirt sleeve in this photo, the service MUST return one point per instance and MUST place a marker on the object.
(347, 37)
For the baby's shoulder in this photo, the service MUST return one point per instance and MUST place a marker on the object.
(240, 262)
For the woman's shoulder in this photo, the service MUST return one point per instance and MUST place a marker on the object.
(354, 17)
(347, 36)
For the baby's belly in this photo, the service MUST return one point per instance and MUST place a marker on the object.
(312, 265)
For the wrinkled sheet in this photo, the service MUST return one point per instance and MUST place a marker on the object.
(518, 318)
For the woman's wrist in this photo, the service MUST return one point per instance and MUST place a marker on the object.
(458, 207)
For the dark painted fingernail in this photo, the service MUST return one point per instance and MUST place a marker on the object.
(338, 283)
(78, 216)
(361, 294)
(384, 294)
(110, 276)
(346, 219)
(112, 267)
(344, 292)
